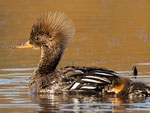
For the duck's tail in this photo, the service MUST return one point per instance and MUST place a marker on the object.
(135, 72)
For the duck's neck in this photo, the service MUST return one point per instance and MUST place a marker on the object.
(49, 59)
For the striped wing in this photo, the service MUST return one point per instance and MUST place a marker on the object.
(88, 78)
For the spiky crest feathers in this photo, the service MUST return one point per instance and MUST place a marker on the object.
(54, 25)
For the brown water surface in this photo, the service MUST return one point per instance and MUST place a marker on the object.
(114, 34)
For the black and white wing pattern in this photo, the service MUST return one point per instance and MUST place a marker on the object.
(87, 78)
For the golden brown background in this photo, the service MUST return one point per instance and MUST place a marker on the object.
(109, 33)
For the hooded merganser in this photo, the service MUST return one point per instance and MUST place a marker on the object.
(51, 33)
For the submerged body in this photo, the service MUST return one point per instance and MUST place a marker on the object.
(51, 33)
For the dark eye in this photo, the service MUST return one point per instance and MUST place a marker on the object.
(37, 38)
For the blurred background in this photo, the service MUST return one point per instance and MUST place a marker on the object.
(114, 34)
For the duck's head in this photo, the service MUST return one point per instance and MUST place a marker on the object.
(51, 30)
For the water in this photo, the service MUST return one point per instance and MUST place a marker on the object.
(112, 34)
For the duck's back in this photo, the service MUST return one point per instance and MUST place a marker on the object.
(81, 78)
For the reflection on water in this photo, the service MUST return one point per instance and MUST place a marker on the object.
(89, 103)
(112, 34)
(86, 103)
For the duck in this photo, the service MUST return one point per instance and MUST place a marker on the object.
(50, 33)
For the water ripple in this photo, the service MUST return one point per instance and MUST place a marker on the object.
(18, 69)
